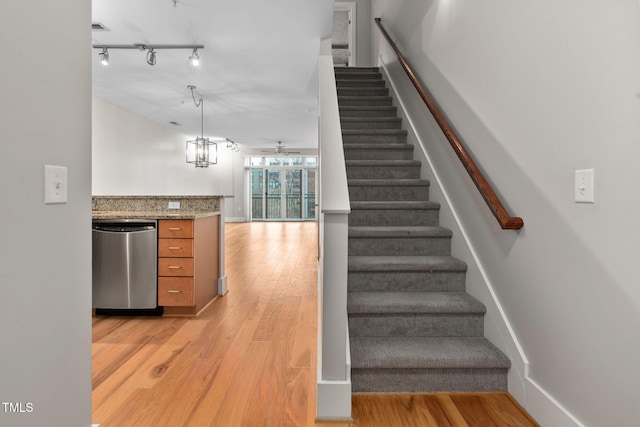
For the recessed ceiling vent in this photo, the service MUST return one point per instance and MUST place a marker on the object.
(97, 26)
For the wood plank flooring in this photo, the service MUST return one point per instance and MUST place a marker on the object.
(250, 358)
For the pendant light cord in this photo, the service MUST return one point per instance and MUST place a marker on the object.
(199, 103)
(193, 95)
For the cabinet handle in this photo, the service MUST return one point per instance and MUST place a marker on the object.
(174, 292)
(175, 248)
(174, 267)
(175, 228)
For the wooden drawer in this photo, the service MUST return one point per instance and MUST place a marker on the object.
(175, 228)
(175, 266)
(175, 291)
(175, 248)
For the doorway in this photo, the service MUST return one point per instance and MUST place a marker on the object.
(283, 188)
(343, 43)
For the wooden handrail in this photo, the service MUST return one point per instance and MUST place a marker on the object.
(506, 221)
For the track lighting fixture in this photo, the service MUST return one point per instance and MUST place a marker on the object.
(151, 57)
(194, 58)
(104, 56)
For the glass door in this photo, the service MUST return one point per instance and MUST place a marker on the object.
(309, 205)
(294, 194)
(273, 195)
(257, 193)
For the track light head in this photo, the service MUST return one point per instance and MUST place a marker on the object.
(233, 146)
(195, 58)
(151, 57)
(104, 56)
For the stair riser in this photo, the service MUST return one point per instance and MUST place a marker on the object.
(388, 193)
(372, 138)
(428, 380)
(359, 83)
(365, 101)
(399, 246)
(383, 172)
(369, 154)
(370, 124)
(359, 76)
(391, 112)
(393, 217)
(409, 281)
(339, 70)
(363, 91)
(416, 325)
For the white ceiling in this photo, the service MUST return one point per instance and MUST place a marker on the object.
(258, 71)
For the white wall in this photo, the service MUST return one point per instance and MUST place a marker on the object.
(334, 356)
(45, 267)
(364, 57)
(235, 206)
(537, 90)
(133, 155)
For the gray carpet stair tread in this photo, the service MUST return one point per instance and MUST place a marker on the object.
(406, 263)
(370, 119)
(339, 70)
(378, 146)
(389, 182)
(357, 70)
(391, 108)
(374, 132)
(368, 163)
(399, 231)
(394, 205)
(413, 302)
(425, 353)
(358, 82)
(361, 98)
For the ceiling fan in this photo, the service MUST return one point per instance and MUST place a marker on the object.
(280, 149)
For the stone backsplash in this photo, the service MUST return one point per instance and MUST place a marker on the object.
(155, 203)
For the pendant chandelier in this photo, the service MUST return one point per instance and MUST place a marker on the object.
(201, 151)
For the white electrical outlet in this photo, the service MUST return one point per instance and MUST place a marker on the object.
(174, 205)
(584, 186)
(55, 184)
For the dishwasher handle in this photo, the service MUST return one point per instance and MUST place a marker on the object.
(122, 229)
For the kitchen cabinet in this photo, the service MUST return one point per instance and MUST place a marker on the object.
(188, 264)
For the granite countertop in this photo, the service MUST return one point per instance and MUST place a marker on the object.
(177, 214)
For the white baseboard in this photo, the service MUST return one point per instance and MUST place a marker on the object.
(235, 219)
(222, 286)
(334, 400)
(546, 410)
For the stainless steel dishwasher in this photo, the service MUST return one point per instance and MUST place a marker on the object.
(125, 264)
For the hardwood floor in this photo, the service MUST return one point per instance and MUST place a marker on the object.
(250, 358)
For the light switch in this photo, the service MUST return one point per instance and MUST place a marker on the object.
(55, 184)
(584, 186)
(174, 205)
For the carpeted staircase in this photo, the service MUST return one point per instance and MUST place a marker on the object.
(412, 326)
